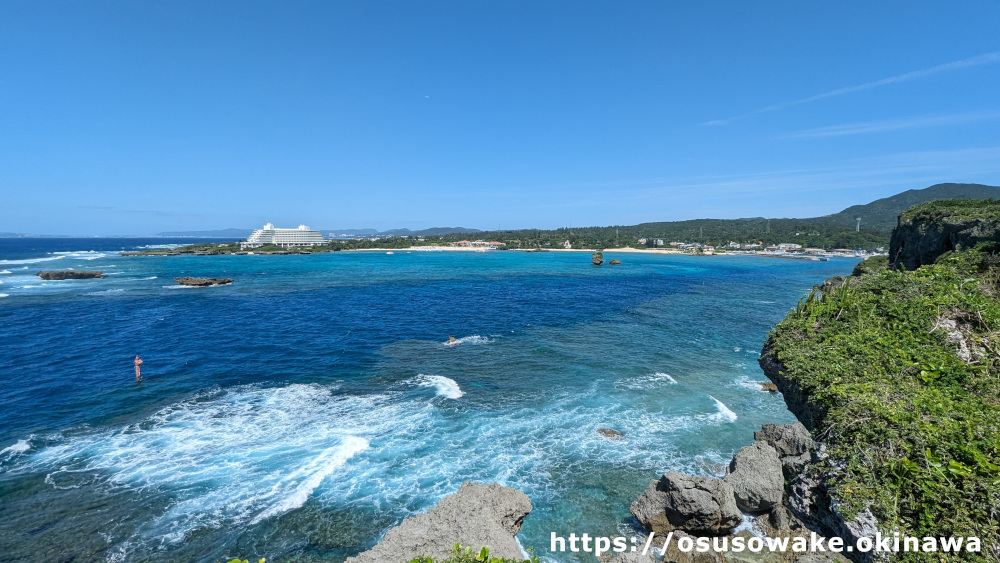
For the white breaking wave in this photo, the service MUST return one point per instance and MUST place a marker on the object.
(724, 412)
(32, 260)
(150, 278)
(446, 387)
(666, 376)
(5, 271)
(79, 254)
(314, 473)
(18, 448)
(474, 339)
(82, 254)
(4, 295)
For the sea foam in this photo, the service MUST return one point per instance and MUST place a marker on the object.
(249, 453)
(666, 376)
(312, 474)
(445, 386)
(474, 339)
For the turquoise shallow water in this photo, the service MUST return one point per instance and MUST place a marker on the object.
(300, 412)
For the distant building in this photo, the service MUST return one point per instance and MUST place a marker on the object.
(642, 241)
(567, 245)
(658, 242)
(285, 238)
(479, 244)
(789, 246)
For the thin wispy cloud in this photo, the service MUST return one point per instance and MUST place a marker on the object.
(984, 59)
(155, 213)
(791, 192)
(882, 126)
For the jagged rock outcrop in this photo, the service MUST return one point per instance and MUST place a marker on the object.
(614, 262)
(476, 515)
(809, 500)
(70, 275)
(202, 282)
(597, 258)
(793, 443)
(694, 504)
(756, 478)
(923, 235)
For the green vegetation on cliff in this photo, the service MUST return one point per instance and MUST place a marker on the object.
(467, 555)
(900, 374)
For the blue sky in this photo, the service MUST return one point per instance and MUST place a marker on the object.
(140, 117)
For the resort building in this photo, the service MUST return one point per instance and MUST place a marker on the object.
(479, 244)
(285, 238)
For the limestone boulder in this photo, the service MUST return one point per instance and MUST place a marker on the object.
(756, 478)
(699, 505)
(476, 515)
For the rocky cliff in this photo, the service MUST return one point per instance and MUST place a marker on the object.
(927, 231)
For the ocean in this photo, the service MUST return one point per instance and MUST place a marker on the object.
(303, 410)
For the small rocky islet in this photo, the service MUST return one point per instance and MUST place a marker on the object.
(70, 275)
(202, 282)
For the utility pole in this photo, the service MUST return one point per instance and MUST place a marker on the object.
(768, 226)
(701, 232)
(858, 228)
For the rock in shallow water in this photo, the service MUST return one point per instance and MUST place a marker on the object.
(202, 282)
(693, 504)
(70, 275)
(475, 516)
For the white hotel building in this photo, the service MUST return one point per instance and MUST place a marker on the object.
(286, 238)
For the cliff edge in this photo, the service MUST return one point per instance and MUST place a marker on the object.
(896, 372)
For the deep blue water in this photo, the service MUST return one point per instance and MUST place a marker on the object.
(314, 403)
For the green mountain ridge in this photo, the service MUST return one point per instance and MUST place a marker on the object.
(882, 213)
(838, 230)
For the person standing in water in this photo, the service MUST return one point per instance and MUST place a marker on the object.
(137, 362)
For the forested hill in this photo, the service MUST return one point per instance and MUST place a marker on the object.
(882, 213)
(831, 231)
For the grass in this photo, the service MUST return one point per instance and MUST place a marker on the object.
(467, 555)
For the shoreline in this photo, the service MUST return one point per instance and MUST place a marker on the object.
(623, 250)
